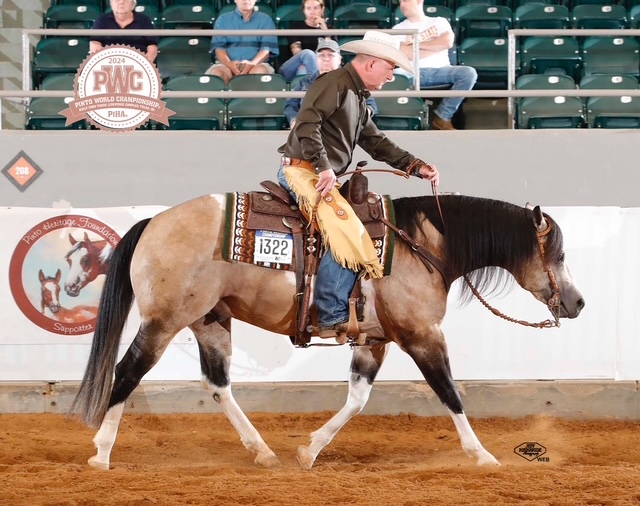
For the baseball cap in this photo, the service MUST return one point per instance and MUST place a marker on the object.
(327, 44)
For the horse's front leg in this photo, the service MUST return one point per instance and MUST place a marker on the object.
(365, 365)
(430, 355)
(214, 343)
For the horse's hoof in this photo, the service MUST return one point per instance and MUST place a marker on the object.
(305, 457)
(488, 460)
(268, 461)
(96, 464)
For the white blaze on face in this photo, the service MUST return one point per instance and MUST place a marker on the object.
(53, 289)
(77, 276)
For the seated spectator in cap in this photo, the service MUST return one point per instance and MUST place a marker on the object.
(243, 54)
(123, 17)
(328, 58)
(303, 47)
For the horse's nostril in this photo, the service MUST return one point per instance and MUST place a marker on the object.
(580, 304)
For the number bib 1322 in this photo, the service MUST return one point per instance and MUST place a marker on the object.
(273, 247)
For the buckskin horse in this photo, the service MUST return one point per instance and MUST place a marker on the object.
(173, 264)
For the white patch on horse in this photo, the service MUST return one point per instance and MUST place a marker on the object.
(470, 442)
(105, 254)
(106, 437)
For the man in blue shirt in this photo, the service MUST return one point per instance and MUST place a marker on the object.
(329, 58)
(238, 55)
(123, 17)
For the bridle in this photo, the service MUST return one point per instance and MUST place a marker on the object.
(553, 303)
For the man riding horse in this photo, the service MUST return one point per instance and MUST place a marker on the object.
(333, 118)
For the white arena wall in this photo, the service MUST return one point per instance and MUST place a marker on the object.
(586, 180)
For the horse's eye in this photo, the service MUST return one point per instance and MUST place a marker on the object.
(84, 261)
(561, 257)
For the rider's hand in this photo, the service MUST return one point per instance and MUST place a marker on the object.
(326, 181)
(428, 171)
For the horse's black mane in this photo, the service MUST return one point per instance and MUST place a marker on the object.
(480, 235)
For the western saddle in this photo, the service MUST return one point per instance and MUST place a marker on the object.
(275, 210)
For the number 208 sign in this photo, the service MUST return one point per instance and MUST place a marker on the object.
(273, 247)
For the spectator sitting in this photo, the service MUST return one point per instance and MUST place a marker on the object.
(123, 17)
(303, 59)
(238, 55)
(328, 59)
(436, 38)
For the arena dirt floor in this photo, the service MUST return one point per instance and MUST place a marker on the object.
(376, 460)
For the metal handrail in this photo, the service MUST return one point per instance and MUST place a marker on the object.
(26, 67)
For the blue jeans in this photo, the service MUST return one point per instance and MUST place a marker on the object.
(459, 76)
(305, 62)
(334, 283)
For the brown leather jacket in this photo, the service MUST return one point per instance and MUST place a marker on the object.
(333, 118)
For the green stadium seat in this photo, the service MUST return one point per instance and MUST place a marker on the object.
(195, 83)
(489, 56)
(70, 16)
(168, 3)
(634, 16)
(608, 82)
(611, 55)
(285, 14)
(59, 82)
(43, 113)
(545, 82)
(400, 113)
(541, 16)
(474, 20)
(548, 112)
(188, 17)
(362, 15)
(98, 4)
(549, 55)
(257, 113)
(613, 112)
(599, 17)
(195, 114)
(183, 56)
(434, 11)
(58, 55)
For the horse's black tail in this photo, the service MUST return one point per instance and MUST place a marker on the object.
(117, 296)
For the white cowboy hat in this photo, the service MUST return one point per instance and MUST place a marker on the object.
(381, 45)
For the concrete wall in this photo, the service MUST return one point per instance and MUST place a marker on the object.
(98, 169)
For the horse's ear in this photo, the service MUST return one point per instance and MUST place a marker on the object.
(86, 238)
(41, 276)
(58, 276)
(72, 240)
(539, 220)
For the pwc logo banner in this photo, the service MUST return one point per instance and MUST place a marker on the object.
(117, 89)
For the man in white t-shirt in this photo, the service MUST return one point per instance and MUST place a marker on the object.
(436, 38)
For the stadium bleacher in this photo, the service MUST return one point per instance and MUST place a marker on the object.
(480, 27)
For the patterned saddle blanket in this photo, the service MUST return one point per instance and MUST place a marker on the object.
(261, 229)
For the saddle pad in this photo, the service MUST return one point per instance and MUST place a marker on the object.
(274, 249)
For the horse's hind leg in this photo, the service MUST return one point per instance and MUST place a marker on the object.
(430, 355)
(214, 342)
(145, 350)
(365, 365)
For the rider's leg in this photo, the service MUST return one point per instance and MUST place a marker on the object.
(334, 284)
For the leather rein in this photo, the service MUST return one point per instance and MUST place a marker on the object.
(429, 260)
